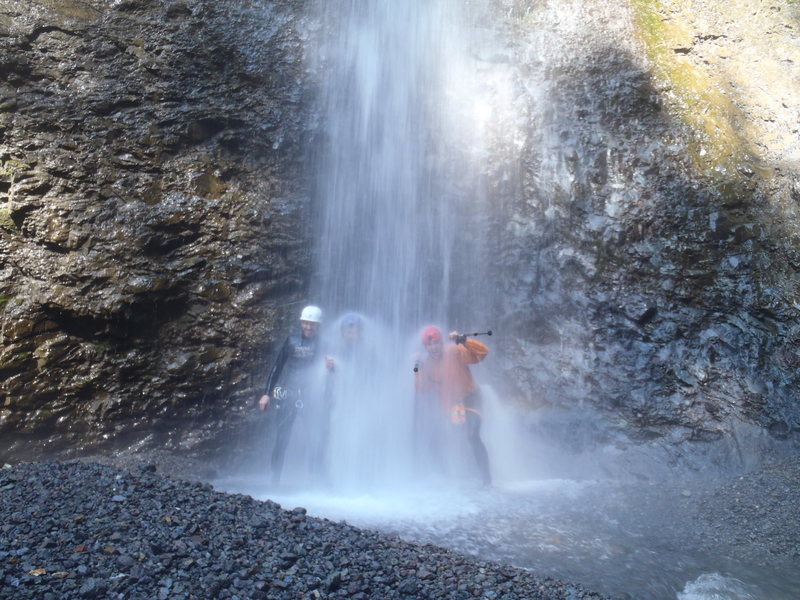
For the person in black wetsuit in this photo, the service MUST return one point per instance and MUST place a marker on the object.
(288, 385)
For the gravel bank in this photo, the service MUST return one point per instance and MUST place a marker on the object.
(86, 530)
(123, 530)
(754, 516)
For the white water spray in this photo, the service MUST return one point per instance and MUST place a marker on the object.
(408, 93)
(398, 175)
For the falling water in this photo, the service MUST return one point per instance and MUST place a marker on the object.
(395, 184)
(391, 186)
(406, 95)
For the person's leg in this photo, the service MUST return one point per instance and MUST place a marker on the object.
(473, 425)
(285, 421)
(428, 432)
(319, 460)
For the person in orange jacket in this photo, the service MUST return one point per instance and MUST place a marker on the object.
(443, 376)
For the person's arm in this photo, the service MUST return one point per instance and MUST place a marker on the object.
(471, 351)
(418, 376)
(274, 375)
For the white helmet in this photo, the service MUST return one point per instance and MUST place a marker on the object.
(312, 314)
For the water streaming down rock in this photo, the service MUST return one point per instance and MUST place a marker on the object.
(398, 102)
(398, 196)
(397, 183)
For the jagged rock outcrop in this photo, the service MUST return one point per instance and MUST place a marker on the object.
(650, 243)
(152, 210)
(643, 169)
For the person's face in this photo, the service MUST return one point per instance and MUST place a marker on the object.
(434, 348)
(351, 334)
(309, 328)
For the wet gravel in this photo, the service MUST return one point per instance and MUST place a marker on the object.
(754, 516)
(88, 530)
(128, 529)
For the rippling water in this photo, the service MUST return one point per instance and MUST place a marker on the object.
(601, 534)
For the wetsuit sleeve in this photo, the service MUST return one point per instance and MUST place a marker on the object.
(472, 351)
(277, 367)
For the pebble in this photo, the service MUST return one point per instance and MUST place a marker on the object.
(754, 517)
(134, 534)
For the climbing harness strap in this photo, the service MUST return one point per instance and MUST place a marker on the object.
(458, 414)
(282, 394)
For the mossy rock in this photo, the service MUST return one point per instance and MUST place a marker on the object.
(11, 167)
(6, 222)
(692, 95)
(14, 360)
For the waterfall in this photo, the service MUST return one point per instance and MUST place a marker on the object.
(397, 185)
(384, 173)
(465, 180)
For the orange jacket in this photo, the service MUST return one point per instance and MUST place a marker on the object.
(449, 377)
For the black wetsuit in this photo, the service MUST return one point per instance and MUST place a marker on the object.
(287, 387)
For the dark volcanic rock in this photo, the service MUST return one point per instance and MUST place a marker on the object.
(151, 209)
(642, 243)
(90, 531)
(647, 243)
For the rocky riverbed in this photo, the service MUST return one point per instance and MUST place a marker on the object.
(85, 530)
(137, 529)
(755, 516)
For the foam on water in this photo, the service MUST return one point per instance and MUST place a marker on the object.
(713, 586)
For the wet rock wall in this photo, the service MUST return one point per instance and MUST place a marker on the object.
(152, 212)
(648, 243)
(642, 169)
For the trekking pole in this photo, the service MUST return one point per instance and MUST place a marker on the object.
(461, 338)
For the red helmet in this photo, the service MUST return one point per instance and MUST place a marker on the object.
(431, 334)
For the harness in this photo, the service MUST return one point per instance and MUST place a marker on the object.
(299, 353)
(282, 394)
(458, 414)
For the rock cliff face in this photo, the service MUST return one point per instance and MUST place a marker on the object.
(152, 213)
(650, 239)
(644, 166)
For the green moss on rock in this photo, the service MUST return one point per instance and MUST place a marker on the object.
(691, 94)
(12, 166)
(6, 222)
(14, 360)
